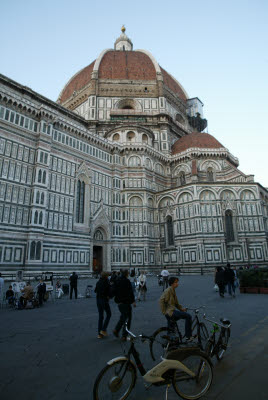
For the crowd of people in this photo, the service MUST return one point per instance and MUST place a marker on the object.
(127, 287)
(122, 287)
(226, 278)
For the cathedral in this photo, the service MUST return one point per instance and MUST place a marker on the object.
(119, 173)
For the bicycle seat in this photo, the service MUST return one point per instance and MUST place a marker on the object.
(225, 321)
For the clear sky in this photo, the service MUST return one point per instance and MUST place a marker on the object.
(217, 50)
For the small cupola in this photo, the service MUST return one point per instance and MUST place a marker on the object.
(123, 43)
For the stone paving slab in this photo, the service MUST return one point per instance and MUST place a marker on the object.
(53, 352)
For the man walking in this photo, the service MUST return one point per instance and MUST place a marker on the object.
(73, 285)
(165, 275)
(124, 297)
(230, 280)
(41, 291)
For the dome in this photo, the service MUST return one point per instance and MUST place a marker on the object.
(122, 64)
(196, 140)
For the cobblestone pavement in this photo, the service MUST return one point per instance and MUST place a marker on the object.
(53, 352)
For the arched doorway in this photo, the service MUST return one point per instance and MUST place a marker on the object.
(97, 262)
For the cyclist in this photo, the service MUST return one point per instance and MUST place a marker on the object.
(171, 308)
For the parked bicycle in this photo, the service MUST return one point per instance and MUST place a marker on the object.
(218, 341)
(188, 369)
(165, 338)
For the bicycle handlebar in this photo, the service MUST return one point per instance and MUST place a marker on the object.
(195, 309)
(137, 337)
(217, 323)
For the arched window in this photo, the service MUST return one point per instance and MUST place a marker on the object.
(42, 198)
(144, 138)
(38, 251)
(170, 233)
(40, 218)
(44, 177)
(98, 235)
(229, 226)
(116, 137)
(39, 176)
(80, 201)
(210, 175)
(131, 136)
(32, 251)
(37, 197)
(182, 178)
(35, 217)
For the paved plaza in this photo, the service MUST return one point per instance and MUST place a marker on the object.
(53, 352)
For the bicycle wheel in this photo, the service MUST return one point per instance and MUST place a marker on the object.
(192, 388)
(115, 381)
(159, 343)
(222, 343)
(203, 332)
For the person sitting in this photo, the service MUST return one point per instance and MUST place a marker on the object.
(27, 294)
(59, 290)
(169, 303)
(10, 295)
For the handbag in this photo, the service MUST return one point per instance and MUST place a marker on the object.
(216, 287)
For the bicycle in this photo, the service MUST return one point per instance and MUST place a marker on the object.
(189, 370)
(217, 347)
(165, 338)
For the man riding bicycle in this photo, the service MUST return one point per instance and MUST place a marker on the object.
(171, 308)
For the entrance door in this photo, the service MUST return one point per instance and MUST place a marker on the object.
(97, 259)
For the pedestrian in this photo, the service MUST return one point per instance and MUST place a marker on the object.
(142, 288)
(124, 297)
(2, 282)
(102, 291)
(171, 308)
(41, 291)
(113, 277)
(220, 280)
(165, 275)
(236, 281)
(73, 284)
(133, 281)
(230, 280)
(59, 290)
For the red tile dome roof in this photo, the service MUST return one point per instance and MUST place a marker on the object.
(121, 65)
(196, 140)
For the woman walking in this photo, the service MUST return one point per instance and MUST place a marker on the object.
(102, 291)
(142, 286)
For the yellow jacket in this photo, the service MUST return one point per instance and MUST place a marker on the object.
(168, 302)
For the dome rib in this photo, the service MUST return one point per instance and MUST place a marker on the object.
(137, 65)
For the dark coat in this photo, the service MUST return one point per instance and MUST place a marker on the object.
(73, 280)
(123, 291)
(102, 288)
(220, 277)
(229, 275)
(41, 288)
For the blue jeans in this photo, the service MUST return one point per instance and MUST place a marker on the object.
(231, 288)
(188, 321)
(103, 305)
